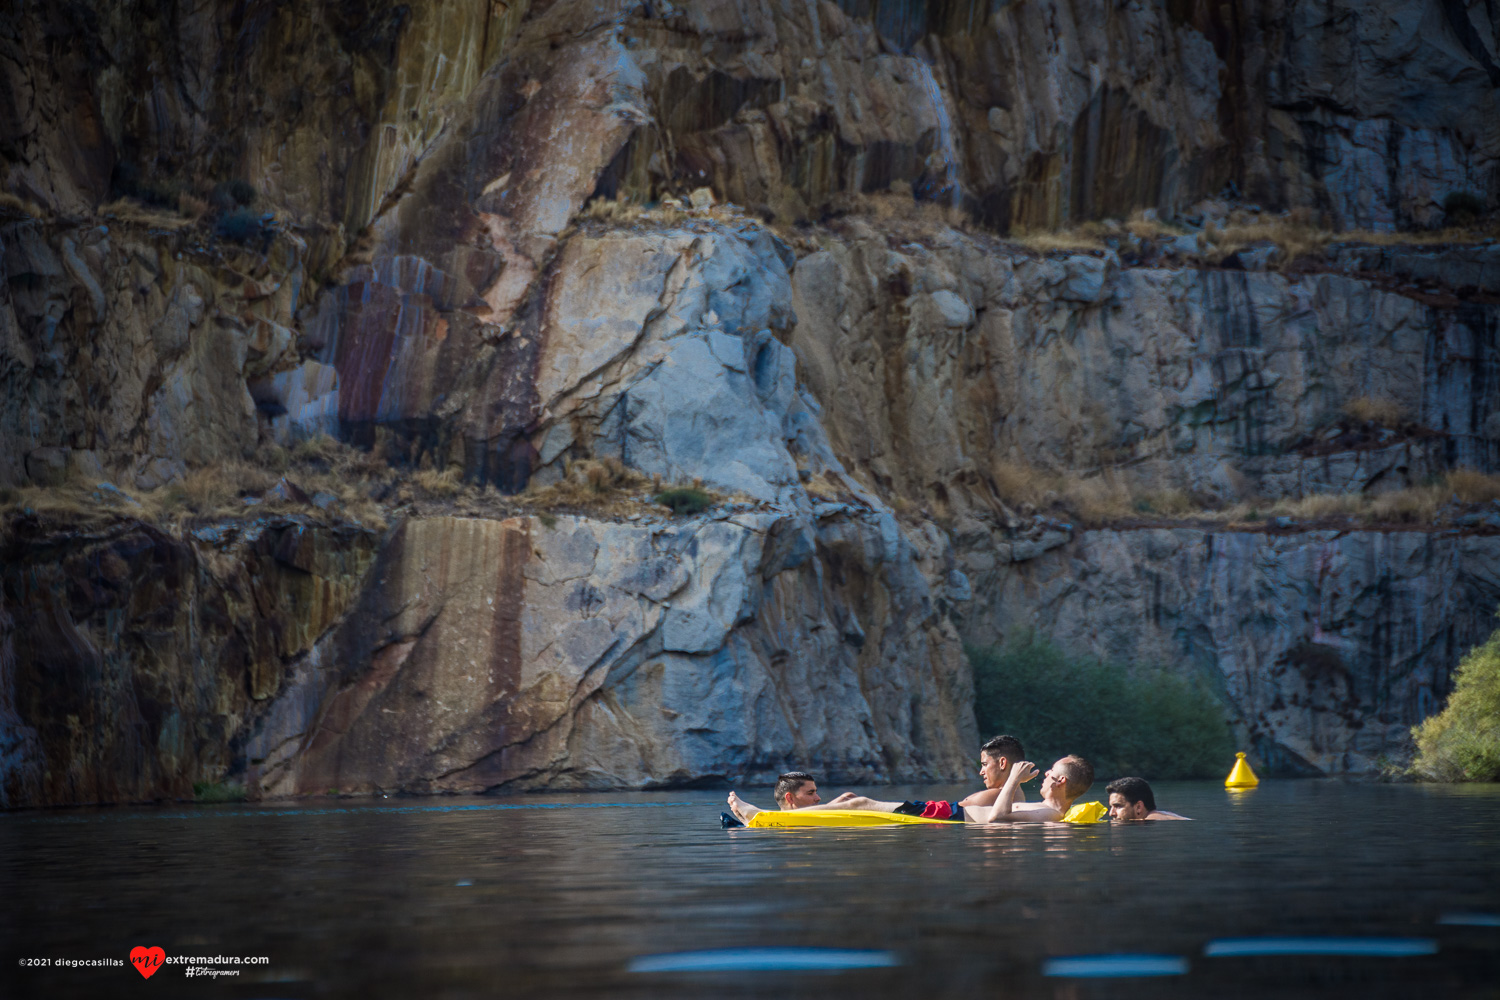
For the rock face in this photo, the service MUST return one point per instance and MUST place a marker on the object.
(509, 654)
(951, 358)
(1328, 646)
(131, 660)
(399, 248)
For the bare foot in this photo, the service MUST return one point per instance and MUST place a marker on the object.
(743, 811)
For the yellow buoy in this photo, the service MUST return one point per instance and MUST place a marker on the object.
(1240, 776)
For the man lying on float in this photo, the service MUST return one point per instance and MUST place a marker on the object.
(995, 759)
(1067, 779)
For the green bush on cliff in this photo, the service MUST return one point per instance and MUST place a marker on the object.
(1462, 207)
(217, 793)
(685, 500)
(1126, 720)
(1462, 742)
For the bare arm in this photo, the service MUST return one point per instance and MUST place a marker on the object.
(987, 797)
(1008, 810)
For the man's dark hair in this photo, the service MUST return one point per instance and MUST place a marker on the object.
(1080, 774)
(1005, 746)
(1134, 790)
(790, 782)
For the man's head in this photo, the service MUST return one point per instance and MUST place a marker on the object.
(797, 790)
(996, 757)
(1129, 799)
(1071, 775)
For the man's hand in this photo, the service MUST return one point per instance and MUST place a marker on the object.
(1023, 772)
(842, 797)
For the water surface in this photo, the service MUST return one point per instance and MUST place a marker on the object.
(565, 895)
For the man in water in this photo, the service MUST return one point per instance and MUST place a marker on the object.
(1063, 783)
(797, 790)
(1130, 799)
(995, 765)
(794, 790)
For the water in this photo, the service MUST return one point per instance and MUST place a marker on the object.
(416, 898)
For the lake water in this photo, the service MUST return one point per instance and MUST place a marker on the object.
(607, 894)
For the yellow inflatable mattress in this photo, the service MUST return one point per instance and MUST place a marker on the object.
(1083, 813)
(841, 817)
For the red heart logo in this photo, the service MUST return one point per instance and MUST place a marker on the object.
(147, 960)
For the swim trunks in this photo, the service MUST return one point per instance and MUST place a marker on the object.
(936, 809)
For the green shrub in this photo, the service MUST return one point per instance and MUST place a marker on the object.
(241, 192)
(685, 500)
(1462, 207)
(214, 793)
(1126, 720)
(242, 225)
(1462, 742)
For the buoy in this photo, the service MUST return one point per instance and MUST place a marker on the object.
(1240, 776)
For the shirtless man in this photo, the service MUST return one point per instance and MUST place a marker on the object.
(1064, 782)
(797, 790)
(995, 766)
(1130, 799)
(794, 790)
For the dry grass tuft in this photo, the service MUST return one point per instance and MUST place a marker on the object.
(1017, 484)
(610, 210)
(1144, 226)
(1089, 236)
(602, 486)
(1095, 499)
(825, 487)
(899, 206)
(1098, 499)
(1472, 486)
(1292, 234)
(1107, 499)
(1418, 505)
(669, 212)
(1298, 236)
(191, 208)
(448, 483)
(1367, 409)
(132, 211)
(24, 206)
(1168, 503)
(607, 487)
(1318, 506)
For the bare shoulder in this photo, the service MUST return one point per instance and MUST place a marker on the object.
(1163, 814)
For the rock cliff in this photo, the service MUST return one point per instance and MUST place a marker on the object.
(768, 248)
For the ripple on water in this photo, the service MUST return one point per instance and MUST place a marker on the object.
(1470, 919)
(1361, 947)
(1114, 966)
(765, 960)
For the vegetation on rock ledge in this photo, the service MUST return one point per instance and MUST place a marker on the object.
(1126, 720)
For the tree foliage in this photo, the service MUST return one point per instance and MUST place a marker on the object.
(1125, 719)
(1462, 742)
